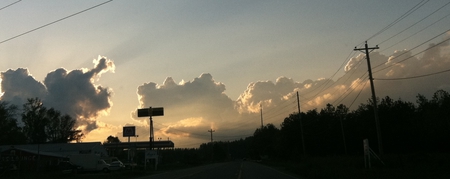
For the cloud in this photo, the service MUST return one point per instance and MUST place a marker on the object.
(201, 97)
(190, 109)
(71, 92)
(265, 93)
(18, 84)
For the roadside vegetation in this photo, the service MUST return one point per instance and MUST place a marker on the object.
(415, 141)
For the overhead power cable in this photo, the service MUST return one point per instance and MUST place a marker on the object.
(324, 85)
(415, 53)
(357, 95)
(48, 24)
(349, 90)
(442, 18)
(406, 14)
(414, 23)
(414, 77)
(9, 5)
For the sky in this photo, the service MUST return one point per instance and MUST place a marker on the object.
(220, 65)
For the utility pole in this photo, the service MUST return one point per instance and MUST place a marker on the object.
(262, 124)
(301, 125)
(150, 111)
(343, 135)
(212, 148)
(374, 98)
(211, 131)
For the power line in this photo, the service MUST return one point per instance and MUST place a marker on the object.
(413, 9)
(9, 5)
(48, 24)
(349, 90)
(414, 23)
(323, 85)
(413, 49)
(416, 32)
(406, 14)
(414, 77)
(357, 95)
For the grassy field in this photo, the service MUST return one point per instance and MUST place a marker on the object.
(395, 166)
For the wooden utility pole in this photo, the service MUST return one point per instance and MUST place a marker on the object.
(343, 135)
(301, 125)
(374, 98)
(212, 144)
(211, 131)
(262, 124)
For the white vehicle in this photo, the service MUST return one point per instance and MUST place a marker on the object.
(90, 162)
(116, 165)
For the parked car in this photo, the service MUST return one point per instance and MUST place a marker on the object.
(67, 167)
(89, 162)
(116, 165)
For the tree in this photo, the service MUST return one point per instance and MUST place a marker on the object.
(111, 139)
(10, 133)
(61, 129)
(265, 140)
(34, 119)
(290, 137)
(43, 125)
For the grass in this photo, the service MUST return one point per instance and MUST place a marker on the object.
(396, 166)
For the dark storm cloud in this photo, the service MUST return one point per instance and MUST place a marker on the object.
(71, 92)
(18, 84)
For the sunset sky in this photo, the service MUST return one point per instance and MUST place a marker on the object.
(211, 64)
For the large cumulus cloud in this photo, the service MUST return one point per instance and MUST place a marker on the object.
(17, 85)
(71, 92)
(193, 107)
(190, 108)
(202, 97)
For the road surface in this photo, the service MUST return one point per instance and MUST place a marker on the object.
(229, 170)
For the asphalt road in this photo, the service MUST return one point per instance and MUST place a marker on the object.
(229, 170)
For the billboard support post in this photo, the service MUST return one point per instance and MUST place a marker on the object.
(150, 112)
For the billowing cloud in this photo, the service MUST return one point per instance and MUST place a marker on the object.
(71, 92)
(19, 84)
(193, 107)
(203, 97)
(266, 94)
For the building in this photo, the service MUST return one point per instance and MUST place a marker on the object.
(45, 156)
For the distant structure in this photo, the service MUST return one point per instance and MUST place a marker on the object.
(33, 157)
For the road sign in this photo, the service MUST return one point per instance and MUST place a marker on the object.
(158, 111)
(149, 154)
(129, 131)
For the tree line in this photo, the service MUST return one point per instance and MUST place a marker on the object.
(406, 128)
(38, 124)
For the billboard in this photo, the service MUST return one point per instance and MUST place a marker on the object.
(157, 111)
(129, 131)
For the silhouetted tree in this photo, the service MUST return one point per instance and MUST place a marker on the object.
(290, 137)
(10, 133)
(43, 125)
(111, 139)
(61, 128)
(34, 119)
(265, 141)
